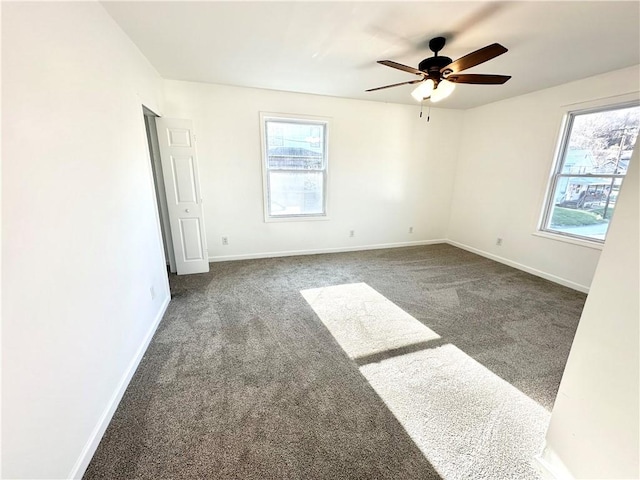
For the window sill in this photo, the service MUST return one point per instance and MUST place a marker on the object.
(567, 239)
(301, 218)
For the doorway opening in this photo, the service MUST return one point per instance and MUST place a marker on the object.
(160, 192)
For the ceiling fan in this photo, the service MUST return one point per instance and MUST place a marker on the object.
(439, 74)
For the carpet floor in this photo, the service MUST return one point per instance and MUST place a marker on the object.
(243, 380)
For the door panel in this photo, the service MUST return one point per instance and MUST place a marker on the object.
(190, 233)
(184, 180)
(179, 137)
(186, 216)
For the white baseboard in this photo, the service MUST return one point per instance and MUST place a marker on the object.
(290, 253)
(550, 467)
(94, 440)
(520, 266)
(506, 261)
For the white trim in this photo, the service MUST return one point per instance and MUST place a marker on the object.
(90, 447)
(302, 119)
(290, 253)
(613, 100)
(550, 467)
(524, 268)
(299, 218)
(482, 253)
(569, 113)
(568, 239)
(558, 154)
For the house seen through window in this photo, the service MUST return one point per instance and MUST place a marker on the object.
(295, 167)
(594, 157)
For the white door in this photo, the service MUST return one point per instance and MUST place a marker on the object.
(180, 171)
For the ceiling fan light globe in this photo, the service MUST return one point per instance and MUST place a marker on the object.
(445, 88)
(423, 90)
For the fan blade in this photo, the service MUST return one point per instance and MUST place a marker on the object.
(395, 85)
(479, 79)
(475, 58)
(399, 66)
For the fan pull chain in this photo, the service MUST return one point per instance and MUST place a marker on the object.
(428, 111)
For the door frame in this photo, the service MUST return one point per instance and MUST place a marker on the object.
(159, 188)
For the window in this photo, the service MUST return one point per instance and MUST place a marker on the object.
(593, 160)
(294, 167)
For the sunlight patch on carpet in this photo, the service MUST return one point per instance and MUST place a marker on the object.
(363, 321)
(467, 421)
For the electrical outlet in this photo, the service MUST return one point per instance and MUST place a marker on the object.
(352, 233)
(225, 240)
(410, 229)
(499, 241)
(152, 291)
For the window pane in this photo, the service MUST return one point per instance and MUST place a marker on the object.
(296, 193)
(602, 142)
(599, 145)
(295, 163)
(583, 206)
(295, 146)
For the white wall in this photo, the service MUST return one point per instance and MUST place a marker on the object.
(81, 244)
(80, 240)
(595, 426)
(506, 154)
(388, 170)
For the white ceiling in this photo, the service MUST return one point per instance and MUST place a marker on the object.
(331, 48)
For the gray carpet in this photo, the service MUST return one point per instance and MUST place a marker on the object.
(242, 379)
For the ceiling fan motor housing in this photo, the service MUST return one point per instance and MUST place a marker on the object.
(433, 65)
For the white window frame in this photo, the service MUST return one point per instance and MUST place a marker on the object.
(323, 122)
(570, 113)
